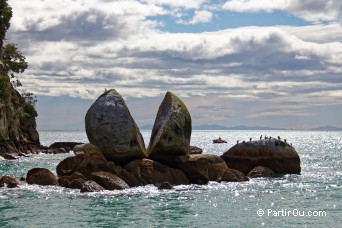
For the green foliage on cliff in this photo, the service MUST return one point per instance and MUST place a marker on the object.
(5, 18)
(5, 90)
(30, 104)
(12, 62)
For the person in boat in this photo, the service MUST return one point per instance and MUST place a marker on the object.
(219, 140)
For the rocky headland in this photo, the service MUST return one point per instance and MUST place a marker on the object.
(18, 132)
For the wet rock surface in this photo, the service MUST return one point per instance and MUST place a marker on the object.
(9, 182)
(233, 175)
(277, 155)
(41, 176)
(261, 171)
(202, 168)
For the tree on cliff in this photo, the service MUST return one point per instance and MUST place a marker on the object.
(12, 61)
(17, 112)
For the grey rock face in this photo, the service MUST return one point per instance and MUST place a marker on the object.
(274, 154)
(110, 127)
(171, 131)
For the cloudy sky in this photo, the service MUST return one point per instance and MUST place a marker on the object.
(275, 63)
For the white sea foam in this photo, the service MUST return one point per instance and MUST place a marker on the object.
(213, 205)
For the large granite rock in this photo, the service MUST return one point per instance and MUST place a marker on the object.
(75, 181)
(110, 126)
(126, 176)
(147, 171)
(67, 146)
(9, 182)
(171, 131)
(91, 186)
(261, 171)
(195, 150)
(277, 155)
(78, 150)
(202, 168)
(179, 177)
(93, 160)
(109, 181)
(41, 176)
(93, 155)
(232, 175)
(68, 165)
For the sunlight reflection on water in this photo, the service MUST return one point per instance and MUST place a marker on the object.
(319, 187)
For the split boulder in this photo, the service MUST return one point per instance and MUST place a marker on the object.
(171, 131)
(110, 127)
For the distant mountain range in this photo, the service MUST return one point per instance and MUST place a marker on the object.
(240, 127)
(243, 127)
(326, 128)
(146, 127)
(218, 127)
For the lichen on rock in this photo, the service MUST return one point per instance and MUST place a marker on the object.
(171, 131)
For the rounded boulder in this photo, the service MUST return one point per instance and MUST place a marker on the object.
(41, 176)
(110, 127)
(277, 155)
(171, 131)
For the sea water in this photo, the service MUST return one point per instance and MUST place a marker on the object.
(312, 199)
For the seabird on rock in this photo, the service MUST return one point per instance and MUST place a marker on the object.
(260, 137)
(278, 137)
(237, 142)
(250, 139)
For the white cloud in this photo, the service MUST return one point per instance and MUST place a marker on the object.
(310, 10)
(200, 17)
(188, 4)
(82, 49)
(255, 5)
(251, 62)
(318, 33)
(43, 15)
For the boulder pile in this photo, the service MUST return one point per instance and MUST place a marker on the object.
(116, 157)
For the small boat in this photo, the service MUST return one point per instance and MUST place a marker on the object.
(219, 140)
